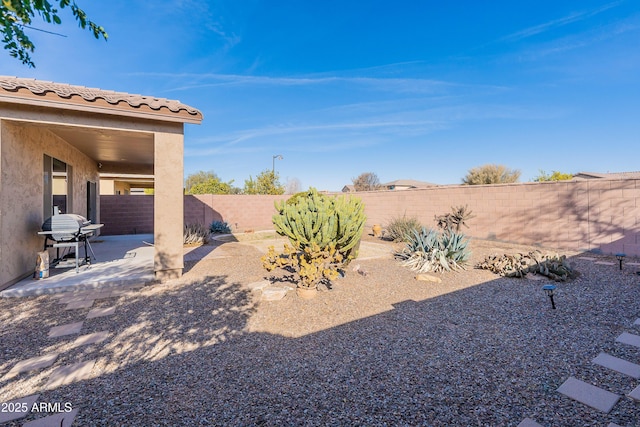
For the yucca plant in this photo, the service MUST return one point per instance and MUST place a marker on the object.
(427, 250)
(195, 234)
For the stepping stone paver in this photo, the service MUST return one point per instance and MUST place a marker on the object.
(34, 363)
(633, 263)
(62, 419)
(635, 394)
(258, 286)
(101, 312)
(631, 339)
(618, 365)
(587, 258)
(528, 422)
(605, 263)
(613, 425)
(62, 330)
(23, 402)
(637, 322)
(588, 394)
(273, 293)
(96, 337)
(79, 304)
(70, 374)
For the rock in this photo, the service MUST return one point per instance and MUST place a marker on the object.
(273, 293)
(258, 286)
(428, 278)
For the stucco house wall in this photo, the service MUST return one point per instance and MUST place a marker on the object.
(22, 150)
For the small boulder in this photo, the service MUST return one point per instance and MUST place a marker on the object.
(273, 293)
(428, 278)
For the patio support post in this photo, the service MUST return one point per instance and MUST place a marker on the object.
(168, 204)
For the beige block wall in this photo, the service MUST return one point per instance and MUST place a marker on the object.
(22, 147)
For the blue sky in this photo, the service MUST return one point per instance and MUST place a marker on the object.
(420, 90)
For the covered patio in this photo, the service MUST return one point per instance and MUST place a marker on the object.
(55, 140)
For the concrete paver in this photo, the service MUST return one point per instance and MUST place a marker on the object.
(635, 394)
(70, 374)
(637, 322)
(630, 339)
(94, 338)
(68, 329)
(588, 394)
(618, 365)
(79, 304)
(604, 263)
(101, 312)
(62, 419)
(34, 363)
(20, 408)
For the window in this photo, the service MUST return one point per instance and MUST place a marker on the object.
(57, 179)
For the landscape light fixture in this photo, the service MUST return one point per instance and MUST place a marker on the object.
(548, 289)
(620, 257)
(273, 166)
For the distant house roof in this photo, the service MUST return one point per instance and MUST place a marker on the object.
(349, 189)
(45, 93)
(408, 183)
(615, 175)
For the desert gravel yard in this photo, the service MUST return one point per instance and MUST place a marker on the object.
(377, 349)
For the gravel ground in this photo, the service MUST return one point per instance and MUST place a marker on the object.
(380, 349)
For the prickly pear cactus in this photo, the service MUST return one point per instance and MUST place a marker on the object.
(552, 266)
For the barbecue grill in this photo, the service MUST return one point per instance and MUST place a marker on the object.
(69, 230)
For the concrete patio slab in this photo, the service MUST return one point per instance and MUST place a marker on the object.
(121, 261)
(635, 393)
(17, 406)
(101, 312)
(62, 330)
(34, 363)
(528, 422)
(94, 338)
(63, 419)
(70, 374)
(630, 339)
(618, 365)
(588, 394)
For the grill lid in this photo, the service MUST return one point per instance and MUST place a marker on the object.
(68, 224)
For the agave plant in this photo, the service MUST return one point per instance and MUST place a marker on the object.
(427, 250)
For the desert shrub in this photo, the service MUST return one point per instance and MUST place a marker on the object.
(454, 220)
(220, 227)
(400, 229)
(428, 250)
(195, 234)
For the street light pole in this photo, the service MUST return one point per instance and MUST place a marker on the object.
(273, 165)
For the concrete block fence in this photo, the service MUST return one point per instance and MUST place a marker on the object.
(600, 215)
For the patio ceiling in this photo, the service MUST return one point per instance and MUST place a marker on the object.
(116, 151)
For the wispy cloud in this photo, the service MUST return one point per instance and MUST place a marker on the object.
(556, 23)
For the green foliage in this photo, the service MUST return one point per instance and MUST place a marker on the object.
(322, 219)
(267, 182)
(195, 234)
(491, 174)
(552, 266)
(207, 183)
(16, 15)
(220, 227)
(454, 220)
(366, 181)
(400, 229)
(428, 250)
(324, 232)
(555, 176)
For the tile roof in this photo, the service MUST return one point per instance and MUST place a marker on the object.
(613, 175)
(409, 183)
(90, 95)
